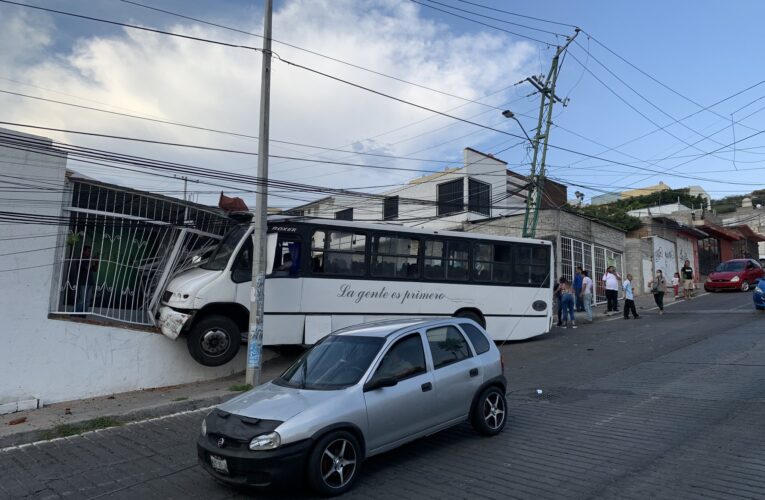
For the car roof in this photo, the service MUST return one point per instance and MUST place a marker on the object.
(387, 327)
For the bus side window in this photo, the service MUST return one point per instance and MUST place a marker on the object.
(532, 265)
(286, 257)
(338, 253)
(434, 259)
(241, 271)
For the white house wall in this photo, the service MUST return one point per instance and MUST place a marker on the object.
(56, 360)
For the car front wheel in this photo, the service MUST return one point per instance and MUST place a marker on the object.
(490, 412)
(334, 463)
(745, 286)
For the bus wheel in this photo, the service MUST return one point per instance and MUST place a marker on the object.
(213, 340)
(472, 315)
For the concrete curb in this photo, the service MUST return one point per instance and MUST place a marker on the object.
(160, 410)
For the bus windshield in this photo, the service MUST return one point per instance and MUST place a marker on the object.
(222, 254)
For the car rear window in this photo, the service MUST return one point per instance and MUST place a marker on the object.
(477, 338)
(447, 346)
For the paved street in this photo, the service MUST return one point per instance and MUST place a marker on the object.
(666, 406)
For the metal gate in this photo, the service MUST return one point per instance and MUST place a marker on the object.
(121, 247)
(591, 257)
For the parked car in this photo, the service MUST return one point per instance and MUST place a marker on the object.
(736, 274)
(359, 392)
(759, 295)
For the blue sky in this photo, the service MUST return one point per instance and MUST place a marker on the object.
(705, 51)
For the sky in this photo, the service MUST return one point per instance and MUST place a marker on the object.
(637, 81)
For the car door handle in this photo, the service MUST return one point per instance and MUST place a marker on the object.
(474, 372)
(426, 386)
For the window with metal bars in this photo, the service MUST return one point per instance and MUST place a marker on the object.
(451, 196)
(479, 197)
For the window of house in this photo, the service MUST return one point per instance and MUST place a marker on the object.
(491, 263)
(338, 253)
(450, 197)
(447, 346)
(346, 214)
(531, 265)
(479, 197)
(390, 208)
(395, 257)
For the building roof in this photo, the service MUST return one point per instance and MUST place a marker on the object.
(680, 227)
(747, 232)
(720, 232)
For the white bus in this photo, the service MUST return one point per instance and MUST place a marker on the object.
(328, 274)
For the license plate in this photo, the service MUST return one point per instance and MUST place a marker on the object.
(219, 464)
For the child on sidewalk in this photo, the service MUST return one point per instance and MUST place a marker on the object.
(676, 284)
(629, 298)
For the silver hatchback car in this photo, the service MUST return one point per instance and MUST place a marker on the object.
(359, 392)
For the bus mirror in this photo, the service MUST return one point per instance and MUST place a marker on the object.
(196, 259)
(271, 252)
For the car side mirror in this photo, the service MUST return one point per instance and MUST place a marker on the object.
(379, 383)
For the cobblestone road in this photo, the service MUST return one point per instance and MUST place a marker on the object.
(666, 406)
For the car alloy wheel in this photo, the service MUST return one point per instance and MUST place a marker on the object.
(494, 410)
(489, 414)
(334, 463)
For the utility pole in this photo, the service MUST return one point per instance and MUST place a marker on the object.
(257, 297)
(546, 89)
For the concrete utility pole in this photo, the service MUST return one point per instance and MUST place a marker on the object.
(257, 298)
(546, 89)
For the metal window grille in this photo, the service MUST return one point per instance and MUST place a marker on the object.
(594, 258)
(451, 196)
(479, 197)
(390, 208)
(566, 258)
(121, 247)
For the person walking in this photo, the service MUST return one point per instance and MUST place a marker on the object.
(610, 280)
(578, 289)
(587, 294)
(629, 298)
(567, 302)
(659, 288)
(687, 274)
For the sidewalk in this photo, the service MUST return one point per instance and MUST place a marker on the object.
(74, 417)
(644, 303)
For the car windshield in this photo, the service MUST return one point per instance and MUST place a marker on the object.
(729, 267)
(226, 247)
(337, 362)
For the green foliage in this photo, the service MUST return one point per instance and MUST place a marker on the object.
(65, 430)
(616, 213)
(240, 387)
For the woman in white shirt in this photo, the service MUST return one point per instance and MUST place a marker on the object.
(610, 280)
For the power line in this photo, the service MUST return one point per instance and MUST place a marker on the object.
(132, 26)
(517, 14)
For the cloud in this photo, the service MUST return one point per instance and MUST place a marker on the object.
(218, 87)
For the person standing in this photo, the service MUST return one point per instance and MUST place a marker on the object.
(676, 284)
(659, 288)
(629, 298)
(687, 274)
(610, 280)
(567, 302)
(578, 289)
(587, 294)
(556, 298)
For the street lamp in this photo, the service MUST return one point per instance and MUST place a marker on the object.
(509, 114)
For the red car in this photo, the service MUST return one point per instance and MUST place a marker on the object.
(736, 274)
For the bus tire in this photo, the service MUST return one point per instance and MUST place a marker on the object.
(472, 315)
(213, 340)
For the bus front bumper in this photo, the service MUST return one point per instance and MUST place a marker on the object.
(171, 322)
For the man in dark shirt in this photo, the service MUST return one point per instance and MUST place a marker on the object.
(686, 273)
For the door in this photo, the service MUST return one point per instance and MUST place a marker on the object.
(456, 372)
(395, 413)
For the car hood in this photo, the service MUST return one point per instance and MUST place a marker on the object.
(275, 402)
(724, 275)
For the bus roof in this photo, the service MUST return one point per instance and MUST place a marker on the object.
(400, 229)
